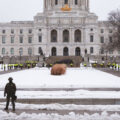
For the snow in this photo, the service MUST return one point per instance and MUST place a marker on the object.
(57, 106)
(70, 116)
(74, 78)
(77, 94)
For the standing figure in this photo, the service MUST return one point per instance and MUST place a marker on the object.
(10, 90)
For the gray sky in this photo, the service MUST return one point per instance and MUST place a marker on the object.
(26, 9)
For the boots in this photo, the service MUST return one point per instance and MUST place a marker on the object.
(6, 108)
(13, 108)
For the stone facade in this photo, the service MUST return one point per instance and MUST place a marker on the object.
(65, 28)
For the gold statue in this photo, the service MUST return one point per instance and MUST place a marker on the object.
(66, 8)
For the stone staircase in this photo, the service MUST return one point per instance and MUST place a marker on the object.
(76, 59)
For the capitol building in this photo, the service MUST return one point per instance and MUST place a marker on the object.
(66, 28)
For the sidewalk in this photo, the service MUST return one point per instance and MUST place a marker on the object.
(108, 70)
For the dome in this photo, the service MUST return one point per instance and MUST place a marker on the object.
(66, 5)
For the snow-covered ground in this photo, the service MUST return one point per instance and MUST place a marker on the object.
(78, 94)
(54, 116)
(74, 78)
(71, 107)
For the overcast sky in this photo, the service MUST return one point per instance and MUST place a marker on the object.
(25, 9)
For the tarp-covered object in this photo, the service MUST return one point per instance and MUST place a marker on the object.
(58, 69)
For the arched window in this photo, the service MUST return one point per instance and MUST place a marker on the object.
(77, 36)
(40, 51)
(65, 52)
(56, 2)
(65, 36)
(53, 36)
(29, 51)
(77, 51)
(76, 2)
(53, 51)
(21, 51)
(3, 51)
(91, 50)
(12, 51)
(66, 1)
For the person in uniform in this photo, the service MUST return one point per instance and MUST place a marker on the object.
(10, 90)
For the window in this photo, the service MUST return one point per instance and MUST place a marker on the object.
(102, 39)
(91, 38)
(110, 39)
(102, 51)
(110, 51)
(30, 31)
(102, 30)
(65, 36)
(3, 39)
(56, 2)
(40, 30)
(3, 31)
(21, 31)
(76, 2)
(3, 51)
(29, 39)
(110, 31)
(66, 1)
(65, 52)
(12, 39)
(91, 29)
(40, 38)
(29, 51)
(53, 36)
(53, 51)
(91, 50)
(118, 51)
(77, 51)
(12, 31)
(12, 51)
(77, 36)
(21, 51)
(21, 39)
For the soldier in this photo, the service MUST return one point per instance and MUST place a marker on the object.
(10, 90)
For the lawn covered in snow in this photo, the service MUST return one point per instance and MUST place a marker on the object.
(74, 78)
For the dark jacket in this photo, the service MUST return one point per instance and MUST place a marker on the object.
(10, 89)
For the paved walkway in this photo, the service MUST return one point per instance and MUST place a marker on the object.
(107, 70)
(81, 101)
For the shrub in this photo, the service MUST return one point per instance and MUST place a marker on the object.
(85, 65)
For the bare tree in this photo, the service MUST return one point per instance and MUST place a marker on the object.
(114, 20)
